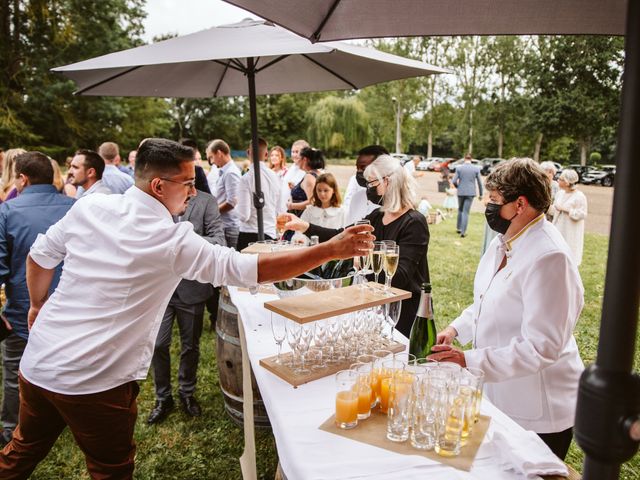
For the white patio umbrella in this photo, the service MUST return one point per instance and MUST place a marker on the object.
(247, 58)
(608, 412)
(325, 20)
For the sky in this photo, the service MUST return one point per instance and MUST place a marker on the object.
(188, 16)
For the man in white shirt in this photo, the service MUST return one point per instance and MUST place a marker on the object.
(412, 165)
(86, 171)
(275, 193)
(355, 204)
(93, 338)
(212, 179)
(295, 174)
(219, 154)
(114, 179)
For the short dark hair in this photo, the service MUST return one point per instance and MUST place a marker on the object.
(92, 160)
(159, 156)
(521, 176)
(36, 166)
(188, 142)
(375, 150)
(316, 158)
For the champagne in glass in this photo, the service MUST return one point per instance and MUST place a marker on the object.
(363, 259)
(377, 258)
(391, 259)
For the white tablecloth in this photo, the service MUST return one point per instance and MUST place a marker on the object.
(307, 453)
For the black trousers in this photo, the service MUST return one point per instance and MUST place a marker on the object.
(245, 238)
(558, 442)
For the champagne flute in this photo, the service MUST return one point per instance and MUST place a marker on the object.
(391, 259)
(279, 330)
(377, 258)
(392, 314)
(363, 259)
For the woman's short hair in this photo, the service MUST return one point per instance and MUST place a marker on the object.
(315, 157)
(521, 176)
(571, 177)
(330, 180)
(401, 188)
(549, 167)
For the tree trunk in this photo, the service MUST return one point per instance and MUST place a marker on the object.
(399, 129)
(500, 142)
(583, 152)
(470, 151)
(430, 144)
(536, 152)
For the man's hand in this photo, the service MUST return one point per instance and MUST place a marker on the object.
(447, 353)
(31, 316)
(352, 241)
(446, 336)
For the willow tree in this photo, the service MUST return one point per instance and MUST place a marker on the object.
(338, 124)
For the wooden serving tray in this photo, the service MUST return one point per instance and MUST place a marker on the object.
(334, 302)
(288, 375)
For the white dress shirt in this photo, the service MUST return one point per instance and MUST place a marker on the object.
(294, 175)
(355, 204)
(332, 217)
(276, 195)
(123, 259)
(227, 191)
(212, 180)
(521, 324)
(115, 180)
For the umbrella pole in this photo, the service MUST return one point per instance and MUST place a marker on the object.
(258, 196)
(607, 423)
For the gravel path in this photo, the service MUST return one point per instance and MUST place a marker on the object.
(600, 198)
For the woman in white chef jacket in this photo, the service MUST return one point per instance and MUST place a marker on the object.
(527, 299)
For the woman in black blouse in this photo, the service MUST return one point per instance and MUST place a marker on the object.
(389, 185)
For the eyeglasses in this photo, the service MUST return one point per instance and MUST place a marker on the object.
(190, 185)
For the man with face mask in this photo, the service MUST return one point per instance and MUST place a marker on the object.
(527, 299)
(358, 203)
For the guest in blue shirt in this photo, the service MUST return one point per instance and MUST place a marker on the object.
(38, 206)
(114, 179)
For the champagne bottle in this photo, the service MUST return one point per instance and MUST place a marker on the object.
(423, 330)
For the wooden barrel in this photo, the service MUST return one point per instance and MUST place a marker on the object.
(229, 359)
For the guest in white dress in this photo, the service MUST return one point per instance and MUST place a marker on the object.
(325, 209)
(570, 207)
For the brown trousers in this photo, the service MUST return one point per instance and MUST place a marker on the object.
(101, 423)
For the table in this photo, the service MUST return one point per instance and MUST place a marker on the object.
(305, 452)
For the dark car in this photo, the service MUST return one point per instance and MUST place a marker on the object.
(581, 170)
(454, 165)
(604, 176)
(488, 164)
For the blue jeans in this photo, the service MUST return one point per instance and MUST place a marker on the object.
(464, 205)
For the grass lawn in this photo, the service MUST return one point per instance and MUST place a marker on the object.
(209, 447)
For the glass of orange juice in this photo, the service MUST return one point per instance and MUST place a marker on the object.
(347, 399)
(389, 369)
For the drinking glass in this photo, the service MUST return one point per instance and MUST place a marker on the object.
(467, 387)
(314, 358)
(450, 434)
(281, 221)
(334, 329)
(279, 330)
(479, 375)
(392, 315)
(346, 399)
(293, 339)
(405, 358)
(398, 409)
(377, 260)
(423, 418)
(321, 339)
(363, 260)
(366, 395)
(389, 369)
(378, 372)
(391, 259)
(306, 335)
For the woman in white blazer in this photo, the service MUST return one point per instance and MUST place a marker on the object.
(527, 299)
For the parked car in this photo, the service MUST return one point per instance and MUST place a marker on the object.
(604, 176)
(454, 165)
(423, 166)
(432, 164)
(581, 170)
(403, 157)
(488, 164)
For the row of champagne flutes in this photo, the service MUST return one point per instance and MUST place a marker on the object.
(335, 340)
(384, 256)
(433, 405)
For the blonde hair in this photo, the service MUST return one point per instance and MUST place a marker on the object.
(571, 177)
(401, 188)
(9, 170)
(327, 179)
(57, 175)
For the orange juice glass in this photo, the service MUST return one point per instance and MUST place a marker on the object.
(347, 399)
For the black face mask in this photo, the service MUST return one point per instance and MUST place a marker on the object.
(373, 196)
(495, 221)
(361, 180)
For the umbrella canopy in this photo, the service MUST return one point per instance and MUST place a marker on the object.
(246, 58)
(213, 63)
(324, 20)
